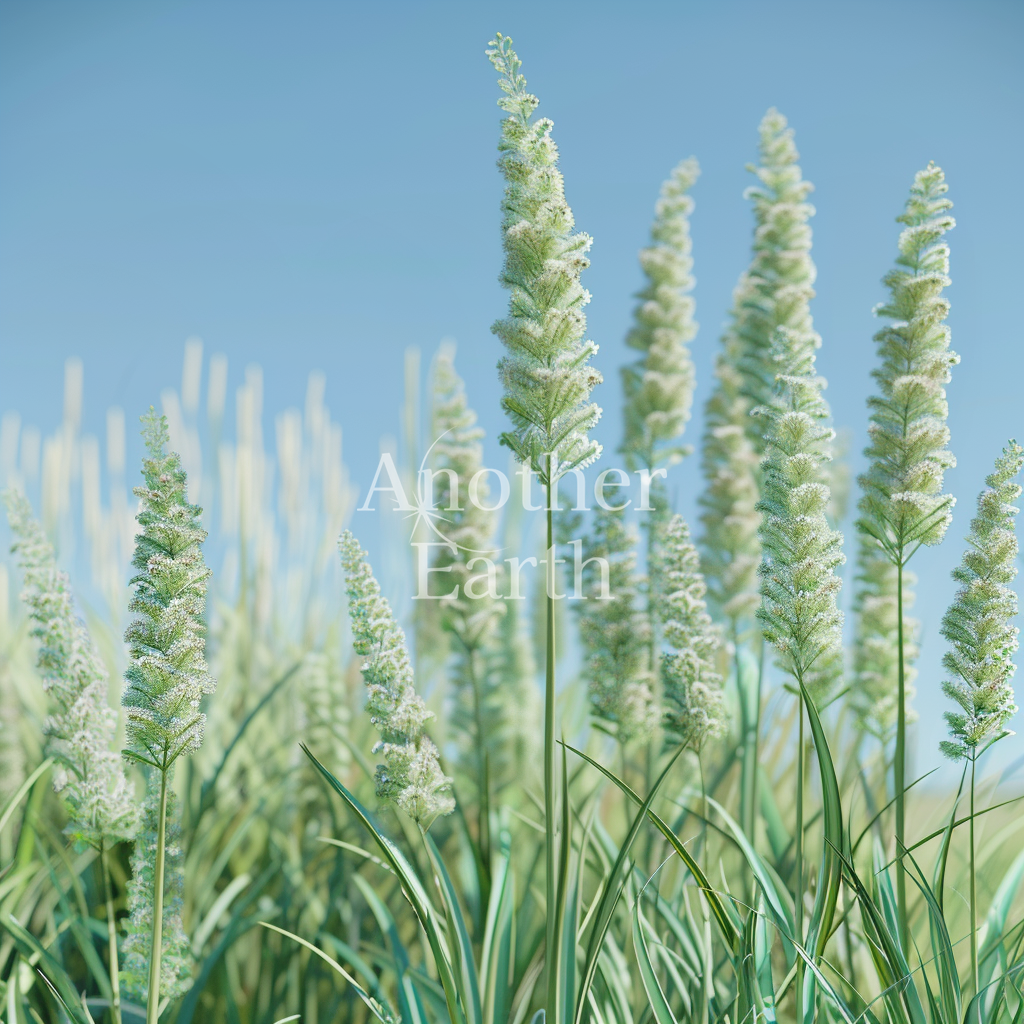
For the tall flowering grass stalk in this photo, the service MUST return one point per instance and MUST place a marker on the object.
(658, 386)
(546, 372)
(167, 677)
(695, 710)
(801, 552)
(81, 728)
(615, 633)
(903, 505)
(776, 290)
(982, 637)
(410, 777)
(773, 293)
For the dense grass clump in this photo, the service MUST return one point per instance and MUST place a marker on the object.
(707, 816)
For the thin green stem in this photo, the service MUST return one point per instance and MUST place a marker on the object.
(483, 777)
(550, 826)
(153, 1000)
(799, 853)
(113, 965)
(708, 960)
(974, 892)
(900, 768)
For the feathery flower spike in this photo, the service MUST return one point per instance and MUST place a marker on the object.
(774, 292)
(659, 385)
(80, 731)
(693, 688)
(798, 613)
(167, 677)
(903, 505)
(546, 374)
(411, 775)
(615, 632)
(978, 624)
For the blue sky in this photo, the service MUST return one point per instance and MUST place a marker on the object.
(312, 185)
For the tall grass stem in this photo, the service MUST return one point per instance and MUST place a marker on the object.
(550, 949)
(114, 965)
(153, 1000)
(900, 765)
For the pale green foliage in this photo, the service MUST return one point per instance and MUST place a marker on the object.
(411, 775)
(167, 677)
(80, 730)
(546, 374)
(903, 504)
(695, 710)
(799, 586)
(978, 624)
(876, 641)
(776, 290)
(615, 633)
(175, 956)
(659, 385)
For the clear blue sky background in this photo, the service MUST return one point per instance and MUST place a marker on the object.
(312, 185)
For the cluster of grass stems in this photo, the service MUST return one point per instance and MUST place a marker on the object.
(784, 866)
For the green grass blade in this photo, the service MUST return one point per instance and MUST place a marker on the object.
(729, 930)
(655, 993)
(498, 953)
(614, 883)
(55, 975)
(382, 1013)
(459, 936)
(414, 892)
(11, 806)
(830, 873)
(410, 1005)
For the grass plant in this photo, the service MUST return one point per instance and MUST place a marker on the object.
(674, 827)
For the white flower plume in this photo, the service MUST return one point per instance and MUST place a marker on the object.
(81, 728)
(167, 677)
(695, 709)
(978, 624)
(903, 505)
(546, 373)
(659, 385)
(411, 775)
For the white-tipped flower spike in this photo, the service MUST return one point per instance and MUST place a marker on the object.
(615, 633)
(776, 290)
(978, 624)
(546, 374)
(167, 677)
(695, 709)
(659, 385)
(411, 775)
(798, 612)
(876, 642)
(903, 505)
(80, 731)
(175, 955)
